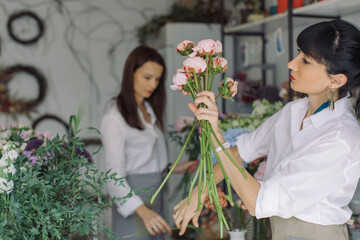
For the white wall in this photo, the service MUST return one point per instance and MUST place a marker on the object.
(81, 54)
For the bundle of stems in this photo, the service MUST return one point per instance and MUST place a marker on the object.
(198, 80)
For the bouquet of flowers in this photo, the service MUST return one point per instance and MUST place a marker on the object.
(203, 62)
(49, 187)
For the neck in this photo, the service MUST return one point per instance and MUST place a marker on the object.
(139, 101)
(315, 101)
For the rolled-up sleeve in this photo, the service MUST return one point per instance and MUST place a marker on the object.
(304, 180)
(113, 138)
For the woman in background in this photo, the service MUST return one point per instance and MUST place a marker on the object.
(133, 140)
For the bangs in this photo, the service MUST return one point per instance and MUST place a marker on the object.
(319, 42)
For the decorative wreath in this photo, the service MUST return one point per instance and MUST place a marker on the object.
(50, 117)
(20, 106)
(17, 36)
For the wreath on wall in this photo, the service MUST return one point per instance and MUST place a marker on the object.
(25, 27)
(11, 105)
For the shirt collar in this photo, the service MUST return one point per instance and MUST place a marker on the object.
(150, 111)
(326, 115)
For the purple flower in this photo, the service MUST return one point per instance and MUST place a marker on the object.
(34, 143)
(34, 160)
(85, 153)
(27, 154)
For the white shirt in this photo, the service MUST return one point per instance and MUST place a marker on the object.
(310, 174)
(131, 151)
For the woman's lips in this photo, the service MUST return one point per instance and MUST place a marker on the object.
(292, 78)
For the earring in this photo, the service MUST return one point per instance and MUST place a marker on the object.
(331, 98)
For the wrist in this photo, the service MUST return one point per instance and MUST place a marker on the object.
(140, 210)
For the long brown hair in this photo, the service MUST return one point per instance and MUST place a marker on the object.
(126, 102)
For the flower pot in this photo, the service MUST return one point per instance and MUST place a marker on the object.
(237, 234)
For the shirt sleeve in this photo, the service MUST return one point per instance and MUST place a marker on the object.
(256, 144)
(114, 147)
(306, 179)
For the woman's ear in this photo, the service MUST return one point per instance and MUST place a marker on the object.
(338, 80)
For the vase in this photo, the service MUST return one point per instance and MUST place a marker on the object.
(237, 234)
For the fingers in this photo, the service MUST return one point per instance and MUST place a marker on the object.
(195, 219)
(207, 94)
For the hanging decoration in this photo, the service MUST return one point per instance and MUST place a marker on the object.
(25, 27)
(13, 106)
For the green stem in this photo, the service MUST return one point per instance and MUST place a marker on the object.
(212, 80)
(196, 82)
(191, 90)
(242, 170)
(175, 163)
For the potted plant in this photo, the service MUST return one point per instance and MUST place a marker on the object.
(49, 187)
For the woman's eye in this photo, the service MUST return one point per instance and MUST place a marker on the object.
(305, 61)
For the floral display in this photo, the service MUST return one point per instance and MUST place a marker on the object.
(203, 62)
(49, 186)
(262, 109)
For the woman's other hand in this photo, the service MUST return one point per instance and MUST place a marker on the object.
(210, 113)
(184, 213)
(187, 165)
(153, 222)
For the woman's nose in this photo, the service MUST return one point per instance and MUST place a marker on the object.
(292, 64)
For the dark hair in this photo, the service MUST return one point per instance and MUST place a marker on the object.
(336, 44)
(126, 99)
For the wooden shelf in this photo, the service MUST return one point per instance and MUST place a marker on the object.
(329, 8)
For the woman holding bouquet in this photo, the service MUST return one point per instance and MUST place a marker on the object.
(312, 144)
(134, 146)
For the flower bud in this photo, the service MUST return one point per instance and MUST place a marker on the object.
(229, 89)
(219, 64)
(184, 47)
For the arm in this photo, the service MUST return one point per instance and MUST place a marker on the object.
(246, 189)
(114, 149)
(114, 146)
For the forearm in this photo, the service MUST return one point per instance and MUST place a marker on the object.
(247, 189)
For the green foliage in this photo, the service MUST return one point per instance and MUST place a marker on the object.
(57, 190)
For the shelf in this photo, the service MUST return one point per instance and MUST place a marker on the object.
(325, 8)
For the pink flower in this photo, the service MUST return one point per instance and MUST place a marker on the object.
(184, 46)
(207, 46)
(179, 79)
(182, 123)
(3, 127)
(47, 135)
(219, 64)
(194, 65)
(25, 134)
(229, 89)
(259, 175)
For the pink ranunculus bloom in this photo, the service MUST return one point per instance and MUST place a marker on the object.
(207, 46)
(3, 127)
(220, 64)
(179, 79)
(194, 65)
(259, 175)
(182, 123)
(219, 47)
(184, 46)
